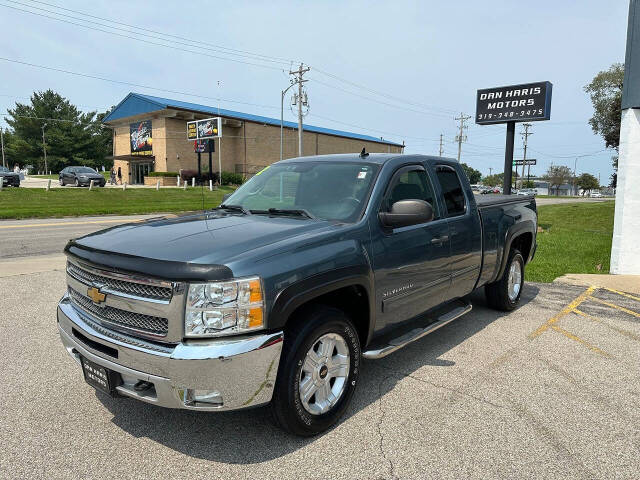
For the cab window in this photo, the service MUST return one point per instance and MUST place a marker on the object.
(451, 190)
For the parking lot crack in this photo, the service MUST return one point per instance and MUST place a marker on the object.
(379, 429)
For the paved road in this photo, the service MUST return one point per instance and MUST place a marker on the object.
(46, 236)
(549, 391)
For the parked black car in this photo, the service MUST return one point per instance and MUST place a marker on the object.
(81, 177)
(9, 178)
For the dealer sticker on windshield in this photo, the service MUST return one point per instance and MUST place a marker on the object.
(362, 175)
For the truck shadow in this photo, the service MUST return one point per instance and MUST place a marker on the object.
(250, 436)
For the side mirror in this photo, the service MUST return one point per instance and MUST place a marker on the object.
(225, 197)
(407, 212)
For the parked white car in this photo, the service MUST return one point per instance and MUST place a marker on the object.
(596, 195)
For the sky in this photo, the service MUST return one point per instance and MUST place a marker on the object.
(401, 70)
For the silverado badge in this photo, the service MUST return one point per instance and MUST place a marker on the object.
(96, 295)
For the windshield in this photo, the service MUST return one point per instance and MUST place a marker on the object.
(326, 190)
(85, 170)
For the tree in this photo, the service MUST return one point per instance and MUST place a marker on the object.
(497, 179)
(557, 175)
(605, 91)
(587, 182)
(473, 175)
(71, 136)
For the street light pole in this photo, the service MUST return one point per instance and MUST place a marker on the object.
(282, 94)
(4, 164)
(44, 149)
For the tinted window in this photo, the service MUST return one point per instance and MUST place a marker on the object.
(451, 191)
(85, 170)
(411, 185)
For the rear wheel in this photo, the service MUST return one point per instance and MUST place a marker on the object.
(505, 293)
(318, 371)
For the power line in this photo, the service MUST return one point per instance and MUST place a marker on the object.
(141, 39)
(315, 80)
(121, 82)
(283, 60)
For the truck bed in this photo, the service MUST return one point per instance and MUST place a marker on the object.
(491, 200)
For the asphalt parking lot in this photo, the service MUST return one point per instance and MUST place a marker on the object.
(549, 391)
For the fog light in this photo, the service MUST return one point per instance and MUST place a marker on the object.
(201, 398)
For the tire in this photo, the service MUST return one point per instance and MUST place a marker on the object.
(77, 183)
(61, 182)
(499, 294)
(310, 330)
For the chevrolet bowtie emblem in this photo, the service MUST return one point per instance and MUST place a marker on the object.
(96, 295)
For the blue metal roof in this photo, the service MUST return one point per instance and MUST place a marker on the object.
(137, 104)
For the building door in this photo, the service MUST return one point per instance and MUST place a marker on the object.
(139, 171)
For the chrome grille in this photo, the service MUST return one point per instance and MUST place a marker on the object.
(116, 317)
(121, 286)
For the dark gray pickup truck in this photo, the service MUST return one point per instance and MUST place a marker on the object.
(278, 294)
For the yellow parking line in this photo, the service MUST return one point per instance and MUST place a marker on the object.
(632, 297)
(549, 324)
(62, 224)
(622, 331)
(570, 335)
(617, 307)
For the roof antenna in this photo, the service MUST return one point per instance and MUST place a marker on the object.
(363, 154)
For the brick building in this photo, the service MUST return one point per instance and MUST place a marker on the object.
(150, 134)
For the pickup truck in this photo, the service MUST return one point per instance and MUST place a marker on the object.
(277, 295)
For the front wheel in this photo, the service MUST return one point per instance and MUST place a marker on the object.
(77, 183)
(61, 182)
(505, 293)
(318, 373)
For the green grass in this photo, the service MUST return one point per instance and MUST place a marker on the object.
(64, 202)
(55, 176)
(576, 238)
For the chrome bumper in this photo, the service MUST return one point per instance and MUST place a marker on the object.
(242, 369)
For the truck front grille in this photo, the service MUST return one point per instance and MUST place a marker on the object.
(121, 319)
(123, 286)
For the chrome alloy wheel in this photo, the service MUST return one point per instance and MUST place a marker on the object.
(515, 280)
(324, 373)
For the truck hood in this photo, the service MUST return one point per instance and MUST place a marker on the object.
(205, 238)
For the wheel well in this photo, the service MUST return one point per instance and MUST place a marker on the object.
(352, 300)
(523, 243)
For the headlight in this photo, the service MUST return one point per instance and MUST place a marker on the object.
(224, 308)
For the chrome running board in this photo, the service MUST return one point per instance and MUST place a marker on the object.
(417, 333)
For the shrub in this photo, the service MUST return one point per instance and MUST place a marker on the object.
(229, 178)
(162, 174)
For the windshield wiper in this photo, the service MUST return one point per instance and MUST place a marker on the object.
(233, 208)
(300, 212)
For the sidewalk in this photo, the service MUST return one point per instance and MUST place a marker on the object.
(622, 283)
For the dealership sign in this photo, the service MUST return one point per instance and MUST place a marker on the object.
(528, 102)
(204, 129)
(140, 135)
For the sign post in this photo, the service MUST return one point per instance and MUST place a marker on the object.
(206, 129)
(528, 102)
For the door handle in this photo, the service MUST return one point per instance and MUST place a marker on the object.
(438, 240)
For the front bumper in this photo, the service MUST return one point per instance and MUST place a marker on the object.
(242, 369)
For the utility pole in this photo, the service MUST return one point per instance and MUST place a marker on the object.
(525, 138)
(490, 170)
(300, 100)
(4, 163)
(219, 138)
(461, 137)
(441, 147)
(575, 166)
(44, 149)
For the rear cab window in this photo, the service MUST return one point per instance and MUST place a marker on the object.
(452, 192)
